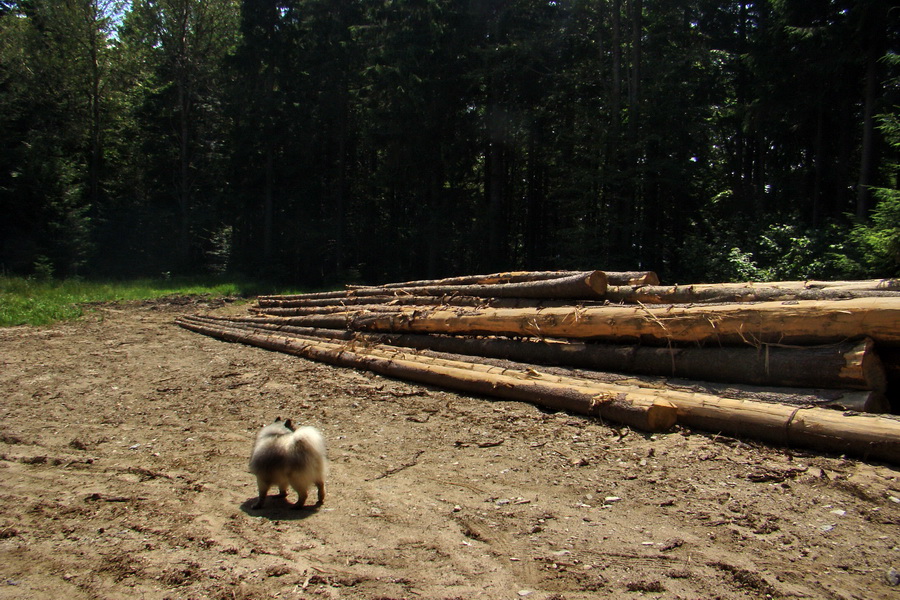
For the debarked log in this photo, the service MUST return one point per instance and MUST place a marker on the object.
(644, 411)
(801, 322)
(868, 436)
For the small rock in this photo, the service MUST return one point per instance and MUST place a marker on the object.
(839, 512)
(892, 577)
(525, 593)
(611, 499)
(824, 528)
(894, 499)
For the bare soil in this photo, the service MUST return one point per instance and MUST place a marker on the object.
(124, 443)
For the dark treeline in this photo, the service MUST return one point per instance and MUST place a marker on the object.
(324, 141)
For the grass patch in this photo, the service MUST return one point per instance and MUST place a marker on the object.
(29, 302)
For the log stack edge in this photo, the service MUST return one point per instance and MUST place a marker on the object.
(770, 361)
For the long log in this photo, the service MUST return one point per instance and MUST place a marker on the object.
(868, 436)
(406, 300)
(741, 292)
(493, 278)
(587, 285)
(636, 409)
(847, 365)
(443, 346)
(801, 322)
(295, 311)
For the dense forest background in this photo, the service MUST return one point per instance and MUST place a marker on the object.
(323, 141)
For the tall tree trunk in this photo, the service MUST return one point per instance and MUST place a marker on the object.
(268, 245)
(184, 174)
(495, 182)
(633, 209)
(96, 153)
(863, 194)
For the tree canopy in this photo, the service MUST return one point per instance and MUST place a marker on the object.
(320, 142)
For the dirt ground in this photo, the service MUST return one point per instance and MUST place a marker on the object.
(124, 442)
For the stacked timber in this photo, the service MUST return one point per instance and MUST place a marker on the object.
(763, 360)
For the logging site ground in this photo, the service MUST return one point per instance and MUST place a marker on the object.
(124, 443)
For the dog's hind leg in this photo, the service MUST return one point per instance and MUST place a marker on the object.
(263, 487)
(320, 486)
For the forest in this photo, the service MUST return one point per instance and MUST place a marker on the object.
(323, 142)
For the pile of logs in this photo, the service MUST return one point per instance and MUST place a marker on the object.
(764, 360)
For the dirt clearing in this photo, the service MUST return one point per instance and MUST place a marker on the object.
(124, 443)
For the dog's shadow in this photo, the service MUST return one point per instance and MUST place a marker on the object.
(278, 508)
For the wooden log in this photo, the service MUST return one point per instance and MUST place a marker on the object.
(639, 410)
(742, 292)
(588, 285)
(868, 436)
(405, 300)
(847, 365)
(493, 278)
(631, 278)
(801, 322)
(862, 401)
(279, 311)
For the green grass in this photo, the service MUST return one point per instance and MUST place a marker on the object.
(29, 302)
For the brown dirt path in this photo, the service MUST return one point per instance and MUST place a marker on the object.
(123, 460)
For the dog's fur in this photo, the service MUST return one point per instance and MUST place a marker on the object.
(283, 456)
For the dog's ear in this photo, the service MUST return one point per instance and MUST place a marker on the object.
(288, 424)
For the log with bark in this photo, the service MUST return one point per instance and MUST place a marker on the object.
(800, 322)
(644, 411)
(487, 352)
(583, 284)
(863, 435)
(846, 365)
(406, 300)
(748, 292)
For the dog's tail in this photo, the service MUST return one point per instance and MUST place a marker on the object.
(310, 438)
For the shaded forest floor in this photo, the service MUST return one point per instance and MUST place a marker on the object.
(123, 455)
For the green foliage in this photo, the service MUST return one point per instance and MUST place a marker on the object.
(320, 141)
(879, 239)
(772, 252)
